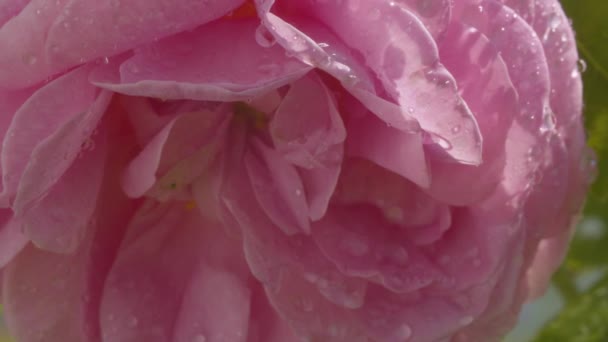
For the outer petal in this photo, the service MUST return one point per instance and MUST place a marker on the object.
(553, 28)
(46, 38)
(484, 83)
(58, 222)
(184, 67)
(58, 294)
(171, 284)
(42, 119)
(12, 239)
(520, 48)
(10, 102)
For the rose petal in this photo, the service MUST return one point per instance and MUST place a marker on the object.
(183, 67)
(176, 155)
(278, 188)
(412, 79)
(165, 281)
(12, 239)
(42, 122)
(47, 37)
(485, 84)
(311, 137)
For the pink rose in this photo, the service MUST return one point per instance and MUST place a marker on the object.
(333, 170)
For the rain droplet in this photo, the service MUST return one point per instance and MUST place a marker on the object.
(106, 60)
(30, 59)
(133, 321)
(410, 110)
(263, 37)
(298, 192)
(466, 320)
(199, 338)
(455, 129)
(582, 65)
(404, 332)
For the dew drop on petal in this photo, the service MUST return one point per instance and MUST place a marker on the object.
(199, 338)
(263, 37)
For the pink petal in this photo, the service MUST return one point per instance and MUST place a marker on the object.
(12, 239)
(553, 28)
(56, 296)
(520, 48)
(177, 154)
(435, 15)
(55, 155)
(412, 79)
(60, 28)
(277, 188)
(183, 67)
(383, 256)
(43, 121)
(395, 150)
(478, 69)
(10, 8)
(269, 250)
(10, 101)
(171, 284)
(59, 220)
(311, 137)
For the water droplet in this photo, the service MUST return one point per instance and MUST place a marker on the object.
(466, 320)
(298, 192)
(133, 321)
(455, 129)
(549, 120)
(410, 110)
(582, 66)
(38, 11)
(589, 165)
(263, 37)
(404, 332)
(432, 138)
(199, 338)
(106, 60)
(400, 256)
(30, 59)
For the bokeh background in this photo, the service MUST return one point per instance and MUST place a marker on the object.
(575, 308)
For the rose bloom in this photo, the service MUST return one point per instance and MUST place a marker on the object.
(289, 170)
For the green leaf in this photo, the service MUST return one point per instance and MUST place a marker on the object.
(582, 320)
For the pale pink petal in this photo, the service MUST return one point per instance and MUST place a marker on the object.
(10, 102)
(47, 37)
(10, 8)
(520, 48)
(42, 121)
(183, 66)
(12, 239)
(393, 149)
(59, 220)
(55, 155)
(485, 84)
(311, 137)
(42, 296)
(278, 188)
(176, 278)
(177, 154)
(404, 59)
(435, 15)
(553, 28)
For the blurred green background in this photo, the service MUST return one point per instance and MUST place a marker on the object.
(575, 308)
